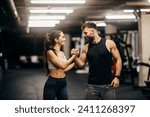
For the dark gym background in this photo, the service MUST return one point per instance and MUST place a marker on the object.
(22, 70)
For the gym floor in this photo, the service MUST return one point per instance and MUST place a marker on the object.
(27, 84)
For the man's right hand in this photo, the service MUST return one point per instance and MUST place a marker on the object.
(75, 52)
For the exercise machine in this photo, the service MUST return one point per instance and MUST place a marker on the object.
(146, 89)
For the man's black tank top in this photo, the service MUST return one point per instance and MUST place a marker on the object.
(100, 62)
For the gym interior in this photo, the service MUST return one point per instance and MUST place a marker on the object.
(24, 23)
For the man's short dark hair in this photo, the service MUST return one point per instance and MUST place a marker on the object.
(89, 25)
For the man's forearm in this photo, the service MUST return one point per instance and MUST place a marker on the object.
(79, 63)
(118, 67)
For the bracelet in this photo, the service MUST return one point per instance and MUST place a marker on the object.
(117, 76)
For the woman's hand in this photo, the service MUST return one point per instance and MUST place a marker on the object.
(75, 52)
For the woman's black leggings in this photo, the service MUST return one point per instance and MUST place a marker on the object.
(55, 88)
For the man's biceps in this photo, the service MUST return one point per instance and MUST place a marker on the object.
(83, 57)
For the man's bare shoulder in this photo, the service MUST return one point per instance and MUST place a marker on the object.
(110, 43)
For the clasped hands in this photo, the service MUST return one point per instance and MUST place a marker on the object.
(74, 52)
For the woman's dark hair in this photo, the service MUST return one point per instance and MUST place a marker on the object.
(50, 43)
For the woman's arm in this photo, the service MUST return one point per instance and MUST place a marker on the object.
(57, 62)
(69, 67)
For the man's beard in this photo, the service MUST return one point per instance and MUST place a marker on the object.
(88, 39)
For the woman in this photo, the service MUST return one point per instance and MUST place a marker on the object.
(56, 64)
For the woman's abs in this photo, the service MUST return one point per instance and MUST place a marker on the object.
(57, 73)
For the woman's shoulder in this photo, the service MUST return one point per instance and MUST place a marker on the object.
(50, 52)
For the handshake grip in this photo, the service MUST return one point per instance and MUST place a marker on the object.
(75, 51)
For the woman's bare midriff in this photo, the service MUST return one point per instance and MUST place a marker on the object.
(57, 73)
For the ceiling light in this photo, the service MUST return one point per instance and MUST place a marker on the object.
(57, 1)
(41, 23)
(46, 17)
(1, 54)
(131, 16)
(145, 10)
(52, 11)
(142, 10)
(44, 21)
(128, 11)
(101, 24)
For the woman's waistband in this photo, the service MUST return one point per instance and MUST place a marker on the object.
(51, 77)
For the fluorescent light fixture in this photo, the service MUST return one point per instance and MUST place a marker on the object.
(46, 17)
(57, 1)
(131, 11)
(131, 16)
(128, 11)
(41, 23)
(52, 11)
(1, 54)
(145, 10)
(101, 24)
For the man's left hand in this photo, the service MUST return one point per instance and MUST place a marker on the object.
(115, 83)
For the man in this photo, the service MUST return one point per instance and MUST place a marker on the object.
(99, 53)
